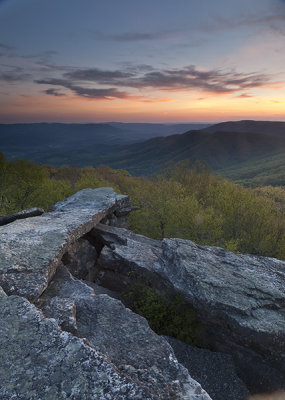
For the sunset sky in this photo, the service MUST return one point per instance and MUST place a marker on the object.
(144, 61)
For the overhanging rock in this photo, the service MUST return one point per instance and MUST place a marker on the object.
(31, 249)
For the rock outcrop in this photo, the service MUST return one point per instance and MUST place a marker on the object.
(240, 298)
(65, 333)
(59, 338)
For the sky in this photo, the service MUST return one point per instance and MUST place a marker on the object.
(134, 61)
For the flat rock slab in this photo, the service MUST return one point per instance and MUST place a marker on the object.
(31, 249)
(39, 361)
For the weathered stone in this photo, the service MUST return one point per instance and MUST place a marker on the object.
(80, 259)
(214, 371)
(61, 309)
(125, 253)
(59, 300)
(127, 340)
(31, 212)
(124, 337)
(31, 249)
(240, 298)
(39, 361)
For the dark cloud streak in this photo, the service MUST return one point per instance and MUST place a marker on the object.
(91, 93)
(53, 92)
(134, 36)
(15, 74)
(187, 78)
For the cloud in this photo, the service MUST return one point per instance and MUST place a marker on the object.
(53, 92)
(272, 20)
(188, 78)
(16, 74)
(90, 93)
(97, 75)
(244, 96)
(134, 36)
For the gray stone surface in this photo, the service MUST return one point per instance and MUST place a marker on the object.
(31, 249)
(214, 371)
(39, 361)
(125, 253)
(240, 298)
(72, 343)
(122, 336)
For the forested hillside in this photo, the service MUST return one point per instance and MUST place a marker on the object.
(219, 150)
(192, 204)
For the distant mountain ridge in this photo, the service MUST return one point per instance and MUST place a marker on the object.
(246, 151)
(266, 127)
(219, 150)
(24, 140)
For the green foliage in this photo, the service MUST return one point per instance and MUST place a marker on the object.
(166, 314)
(184, 202)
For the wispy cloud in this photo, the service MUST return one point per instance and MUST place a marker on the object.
(100, 84)
(14, 74)
(97, 75)
(134, 36)
(273, 20)
(91, 93)
(244, 95)
(54, 92)
(186, 78)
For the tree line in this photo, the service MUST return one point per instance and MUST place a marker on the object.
(185, 201)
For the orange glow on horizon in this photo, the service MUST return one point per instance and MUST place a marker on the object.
(181, 107)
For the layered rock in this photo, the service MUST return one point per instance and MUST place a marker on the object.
(240, 298)
(31, 249)
(60, 338)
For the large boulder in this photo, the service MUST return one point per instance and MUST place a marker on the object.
(240, 298)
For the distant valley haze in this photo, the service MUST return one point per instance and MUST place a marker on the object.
(249, 152)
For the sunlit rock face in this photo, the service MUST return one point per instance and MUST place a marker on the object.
(62, 336)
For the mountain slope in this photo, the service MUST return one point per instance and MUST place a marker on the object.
(265, 127)
(219, 150)
(263, 171)
(48, 141)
